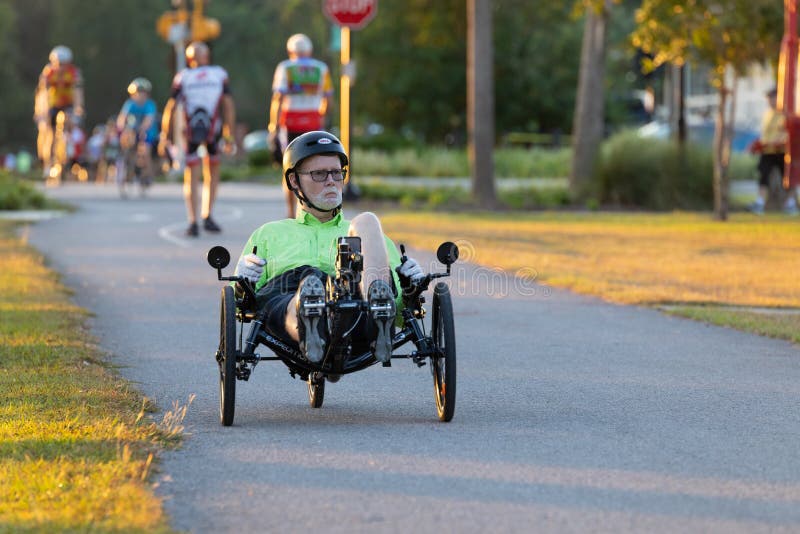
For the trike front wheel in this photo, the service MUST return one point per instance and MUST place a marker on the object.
(443, 365)
(227, 356)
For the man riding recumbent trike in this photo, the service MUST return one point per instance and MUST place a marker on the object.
(328, 296)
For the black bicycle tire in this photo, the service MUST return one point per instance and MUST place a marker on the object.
(444, 339)
(227, 367)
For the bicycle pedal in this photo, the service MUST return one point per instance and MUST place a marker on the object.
(381, 309)
(313, 307)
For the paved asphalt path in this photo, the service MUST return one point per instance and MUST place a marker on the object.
(573, 415)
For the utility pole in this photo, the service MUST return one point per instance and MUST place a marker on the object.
(480, 101)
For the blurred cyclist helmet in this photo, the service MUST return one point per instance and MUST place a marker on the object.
(60, 55)
(139, 85)
(195, 51)
(299, 44)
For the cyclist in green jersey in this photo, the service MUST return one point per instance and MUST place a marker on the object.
(294, 257)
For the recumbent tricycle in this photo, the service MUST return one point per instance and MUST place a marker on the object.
(343, 307)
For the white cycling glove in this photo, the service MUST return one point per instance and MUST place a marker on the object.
(251, 267)
(411, 270)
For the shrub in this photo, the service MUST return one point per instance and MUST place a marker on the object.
(456, 197)
(533, 162)
(743, 167)
(16, 194)
(440, 161)
(260, 158)
(653, 174)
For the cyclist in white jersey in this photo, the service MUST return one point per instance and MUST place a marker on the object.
(204, 94)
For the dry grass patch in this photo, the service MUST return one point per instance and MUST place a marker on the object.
(631, 258)
(76, 445)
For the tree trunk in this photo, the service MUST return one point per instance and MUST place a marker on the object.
(723, 134)
(480, 101)
(589, 121)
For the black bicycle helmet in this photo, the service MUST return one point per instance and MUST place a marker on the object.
(307, 145)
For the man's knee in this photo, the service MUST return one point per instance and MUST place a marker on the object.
(365, 223)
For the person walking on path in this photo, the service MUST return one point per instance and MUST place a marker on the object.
(301, 89)
(771, 145)
(204, 93)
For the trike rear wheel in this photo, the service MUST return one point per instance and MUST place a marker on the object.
(443, 366)
(227, 360)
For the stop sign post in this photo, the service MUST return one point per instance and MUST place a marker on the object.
(348, 15)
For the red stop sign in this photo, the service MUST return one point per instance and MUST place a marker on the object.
(355, 14)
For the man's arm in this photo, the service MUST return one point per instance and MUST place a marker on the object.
(122, 116)
(274, 111)
(166, 126)
(228, 116)
(327, 91)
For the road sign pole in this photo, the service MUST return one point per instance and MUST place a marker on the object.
(344, 97)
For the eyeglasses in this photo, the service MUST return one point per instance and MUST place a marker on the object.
(320, 175)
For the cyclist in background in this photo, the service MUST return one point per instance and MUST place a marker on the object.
(62, 82)
(139, 119)
(300, 92)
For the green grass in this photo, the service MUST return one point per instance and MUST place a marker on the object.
(77, 443)
(777, 325)
(455, 198)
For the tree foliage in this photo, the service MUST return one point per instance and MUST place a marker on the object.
(411, 60)
(720, 33)
(725, 34)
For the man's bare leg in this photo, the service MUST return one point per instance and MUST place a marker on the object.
(373, 248)
(376, 269)
(191, 181)
(291, 318)
(210, 185)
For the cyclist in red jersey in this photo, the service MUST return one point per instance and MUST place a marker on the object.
(300, 92)
(62, 84)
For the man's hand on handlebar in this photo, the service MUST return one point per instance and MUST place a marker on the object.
(410, 270)
(251, 267)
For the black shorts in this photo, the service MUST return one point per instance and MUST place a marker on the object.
(276, 294)
(212, 147)
(54, 113)
(766, 163)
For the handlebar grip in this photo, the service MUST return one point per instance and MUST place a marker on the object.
(403, 256)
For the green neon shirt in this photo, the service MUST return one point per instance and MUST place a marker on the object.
(304, 240)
